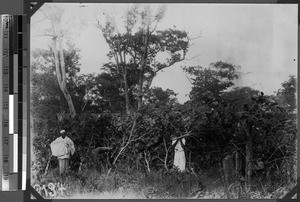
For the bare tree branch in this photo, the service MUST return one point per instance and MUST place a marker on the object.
(193, 57)
(188, 78)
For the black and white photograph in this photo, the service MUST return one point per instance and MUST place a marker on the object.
(163, 101)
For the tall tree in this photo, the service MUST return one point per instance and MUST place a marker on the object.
(56, 32)
(46, 92)
(139, 47)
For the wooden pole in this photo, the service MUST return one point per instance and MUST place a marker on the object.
(190, 183)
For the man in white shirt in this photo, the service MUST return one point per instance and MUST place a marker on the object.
(62, 148)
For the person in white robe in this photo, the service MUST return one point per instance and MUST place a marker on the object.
(179, 157)
(62, 148)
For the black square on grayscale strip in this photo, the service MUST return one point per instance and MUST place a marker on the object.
(20, 161)
(20, 124)
(20, 110)
(20, 40)
(20, 23)
(15, 34)
(11, 36)
(20, 93)
(20, 57)
(20, 75)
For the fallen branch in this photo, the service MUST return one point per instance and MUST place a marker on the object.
(185, 135)
(47, 167)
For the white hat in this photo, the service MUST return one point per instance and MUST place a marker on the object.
(62, 131)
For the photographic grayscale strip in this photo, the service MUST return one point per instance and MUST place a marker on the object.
(14, 109)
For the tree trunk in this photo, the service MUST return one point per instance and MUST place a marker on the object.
(143, 62)
(228, 168)
(249, 157)
(238, 164)
(120, 60)
(69, 100)
(127, 101)
(166, 154)
(147, 161)
(140, 90)
(61, 73)
(60, 63)
(142, 67)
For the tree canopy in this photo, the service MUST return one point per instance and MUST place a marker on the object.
(136, 54)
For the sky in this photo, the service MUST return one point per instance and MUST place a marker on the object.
(260, 38)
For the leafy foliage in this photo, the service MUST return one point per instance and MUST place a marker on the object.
(209, 83)
(287, 94)
(136, 54)
(216, 121)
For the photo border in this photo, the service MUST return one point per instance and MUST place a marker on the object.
(27, 10)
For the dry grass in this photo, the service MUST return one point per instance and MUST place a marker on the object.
(155, 185)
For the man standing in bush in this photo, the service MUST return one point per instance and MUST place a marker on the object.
(62, 148)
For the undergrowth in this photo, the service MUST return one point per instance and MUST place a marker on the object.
(161, 184)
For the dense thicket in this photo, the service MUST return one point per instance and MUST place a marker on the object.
(220, 119)
(217, 115)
